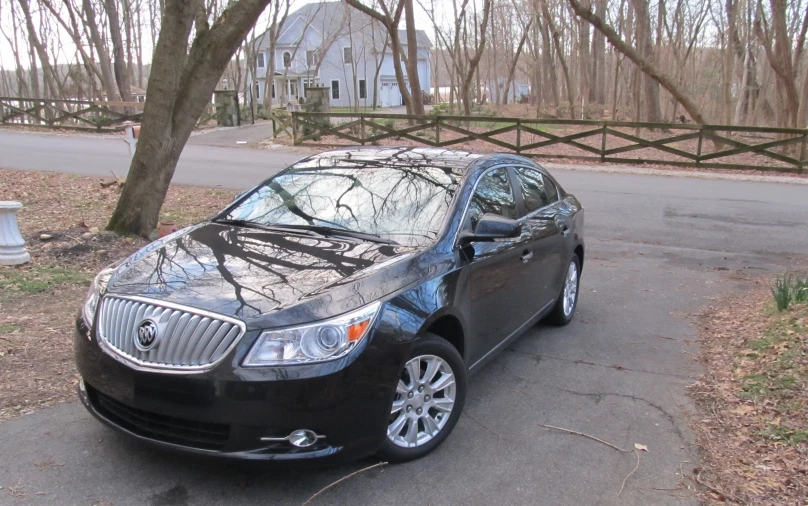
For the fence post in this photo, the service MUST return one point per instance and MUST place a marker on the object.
(437, 130)
(294, 128)
(698, 149)
(804, 152)
(603, 143)
(362, 129)
(518, 136)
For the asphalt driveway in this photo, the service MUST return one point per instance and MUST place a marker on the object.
(658, 250)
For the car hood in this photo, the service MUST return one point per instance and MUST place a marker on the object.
(255, 274)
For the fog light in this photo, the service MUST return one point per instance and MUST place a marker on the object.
(303, 438)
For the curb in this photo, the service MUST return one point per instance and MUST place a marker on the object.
(624, 169)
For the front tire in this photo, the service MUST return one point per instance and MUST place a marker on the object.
(429, 398)
(567, 301)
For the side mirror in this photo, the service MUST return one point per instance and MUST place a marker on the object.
(491, 227)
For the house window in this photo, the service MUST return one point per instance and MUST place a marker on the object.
(257, 91)
(363, 89)
(347, 55)
(312, 58)
(273, 89)
(335, 89)
(292, 88)
(260, 60)
(287, 59)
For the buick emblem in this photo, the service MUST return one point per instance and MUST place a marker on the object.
(146, 336)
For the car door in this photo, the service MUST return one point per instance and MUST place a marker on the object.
(548, 228)
(499, 281)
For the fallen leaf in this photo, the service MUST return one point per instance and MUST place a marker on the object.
(640, 447)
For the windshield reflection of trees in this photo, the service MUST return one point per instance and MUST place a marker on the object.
(406, 196)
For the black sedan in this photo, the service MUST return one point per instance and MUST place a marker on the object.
(333, 311)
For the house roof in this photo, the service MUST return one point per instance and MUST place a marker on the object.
(326, 18)
(420, 36)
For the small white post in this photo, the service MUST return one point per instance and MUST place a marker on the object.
(131, 133)
(12, 251)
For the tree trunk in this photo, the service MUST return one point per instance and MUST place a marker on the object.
(474, 62)
(650, 88)
(512, 69)
(584, 65)
(412, 59)
(599, 58)
(180, 86)
(549, 66)
(560, 53)
(101, 49)
(41, 52)
(119, 61)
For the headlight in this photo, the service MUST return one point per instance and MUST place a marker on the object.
(97, 289)
(315, 342)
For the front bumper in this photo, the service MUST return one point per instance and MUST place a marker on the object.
(227, 411)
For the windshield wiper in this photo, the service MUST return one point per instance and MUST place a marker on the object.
(262, 226)
(332, 231)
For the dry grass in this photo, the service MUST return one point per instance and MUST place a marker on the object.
(753, 400)
(39, 300)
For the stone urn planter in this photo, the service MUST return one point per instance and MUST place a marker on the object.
(11, 242)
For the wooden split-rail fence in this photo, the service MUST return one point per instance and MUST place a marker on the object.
(683, 145)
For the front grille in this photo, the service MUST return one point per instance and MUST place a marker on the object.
(179, 431)
(187, 339)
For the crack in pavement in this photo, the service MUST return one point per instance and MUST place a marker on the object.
(600, 395)
(541, 356)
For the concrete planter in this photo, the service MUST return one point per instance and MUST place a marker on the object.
(12, 251)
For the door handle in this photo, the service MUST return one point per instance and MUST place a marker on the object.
(526, 256)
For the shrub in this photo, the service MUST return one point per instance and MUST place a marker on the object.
(439, 108)
(788, 289)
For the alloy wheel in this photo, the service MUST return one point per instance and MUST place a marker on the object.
(425, 397)
(570, 288)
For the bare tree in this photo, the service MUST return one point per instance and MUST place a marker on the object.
(184, 73)
(644, 65)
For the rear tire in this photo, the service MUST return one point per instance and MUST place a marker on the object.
(567, 300)
(429, 398)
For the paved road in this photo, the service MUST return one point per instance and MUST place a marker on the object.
(658, 250)
(201, 164)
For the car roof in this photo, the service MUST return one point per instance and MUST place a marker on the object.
(456, 161)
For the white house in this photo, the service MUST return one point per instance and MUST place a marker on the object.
(331, 44)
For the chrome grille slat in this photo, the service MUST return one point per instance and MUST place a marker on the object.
(196, 353)
(208, 352)
(188, 339)
(189, 345)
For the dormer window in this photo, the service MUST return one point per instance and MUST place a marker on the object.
(287, 59)
(347, 55)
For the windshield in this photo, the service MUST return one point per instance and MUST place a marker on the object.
(406, 204)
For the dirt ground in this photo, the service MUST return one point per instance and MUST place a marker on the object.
(62, 223)
(753, 400)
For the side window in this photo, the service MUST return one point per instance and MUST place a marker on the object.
(531, 182)
(551, 190)
(493, 195)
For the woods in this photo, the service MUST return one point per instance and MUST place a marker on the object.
(735, 62)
